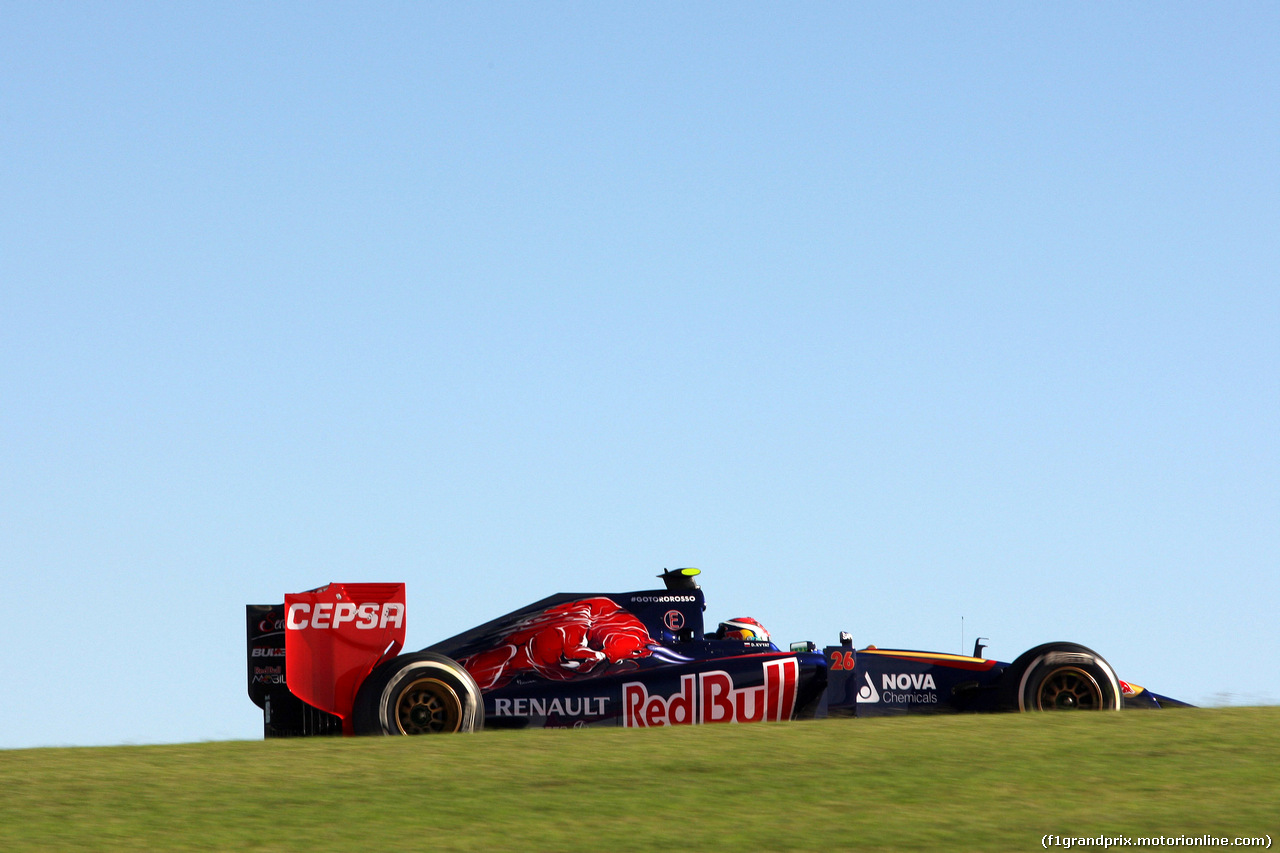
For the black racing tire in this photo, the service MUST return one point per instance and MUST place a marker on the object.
(1061, 677)
(418, 694)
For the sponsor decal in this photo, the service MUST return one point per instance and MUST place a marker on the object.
(674, 620)
(896, 688)
(328, 614)
(582, 706)
(907, 681)
(268, 675)
(267, 653)
(867, 693)
(901, 688)
(661, 599)
(268, 679)
(711, 697)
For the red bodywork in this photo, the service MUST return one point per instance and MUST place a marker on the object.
(562, 643)
(335, 635)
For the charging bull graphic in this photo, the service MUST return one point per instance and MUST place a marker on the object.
(573, 640)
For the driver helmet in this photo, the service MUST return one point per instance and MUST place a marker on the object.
(742, 628)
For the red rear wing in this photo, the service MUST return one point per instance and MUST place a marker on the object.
(335, 635)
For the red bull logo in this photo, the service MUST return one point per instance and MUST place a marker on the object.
(712, 697)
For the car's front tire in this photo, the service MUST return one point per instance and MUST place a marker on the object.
(1062, 677)
(416, 694)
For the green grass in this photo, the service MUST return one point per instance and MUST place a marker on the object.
(996, 782)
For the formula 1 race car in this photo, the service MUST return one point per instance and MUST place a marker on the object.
(327, 662)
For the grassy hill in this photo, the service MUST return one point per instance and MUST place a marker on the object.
(997, 782)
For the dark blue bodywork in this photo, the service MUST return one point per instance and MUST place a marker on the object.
(680, 676)
(687, 676)
(644, 659)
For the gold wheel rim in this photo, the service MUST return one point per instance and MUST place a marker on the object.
(1069, 688)
(428, 706)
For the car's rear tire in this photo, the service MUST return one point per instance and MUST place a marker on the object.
(1062, 677)
(416, 694)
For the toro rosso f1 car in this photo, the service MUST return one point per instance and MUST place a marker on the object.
(328, 661)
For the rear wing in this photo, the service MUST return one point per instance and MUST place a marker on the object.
(307, 657)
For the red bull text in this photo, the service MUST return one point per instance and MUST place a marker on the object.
(711, 697)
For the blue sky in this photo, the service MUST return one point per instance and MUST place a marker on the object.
(884, 316)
